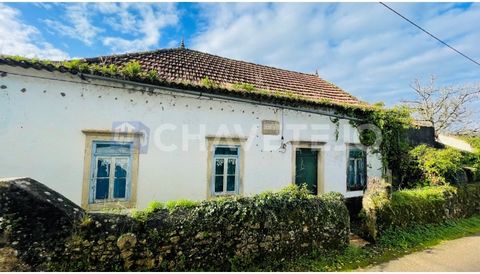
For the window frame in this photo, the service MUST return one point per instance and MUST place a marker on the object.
(212, 142)
(113, 156)
(351, 148)
(96, 136)
(225, 170)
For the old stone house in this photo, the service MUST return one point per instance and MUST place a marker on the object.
(212, 126)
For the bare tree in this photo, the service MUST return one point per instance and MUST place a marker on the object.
(448, 109)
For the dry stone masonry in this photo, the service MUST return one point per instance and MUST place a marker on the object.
(42, 230)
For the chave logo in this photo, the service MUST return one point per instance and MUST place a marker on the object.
(119, 128)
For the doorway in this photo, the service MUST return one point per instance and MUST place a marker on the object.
(306, 168)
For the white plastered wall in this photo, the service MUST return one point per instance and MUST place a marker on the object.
(41, 136)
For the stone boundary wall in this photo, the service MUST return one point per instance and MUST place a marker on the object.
(416, 207)
(42, 230)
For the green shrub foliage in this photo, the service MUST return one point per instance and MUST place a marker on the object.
(472, 160)
(427, 205)
(229, 233)
(427, 166)
(436, 166)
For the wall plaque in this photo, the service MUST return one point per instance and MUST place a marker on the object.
(270, 127)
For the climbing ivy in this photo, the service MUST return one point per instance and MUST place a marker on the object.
(392, 124)
(336, 122)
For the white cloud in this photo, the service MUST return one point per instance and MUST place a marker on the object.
(140, 24)
(363, 48)
(19, 38)
(118, 16)
(77, 24)
(147, 24)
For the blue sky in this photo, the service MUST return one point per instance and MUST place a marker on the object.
(362, 47)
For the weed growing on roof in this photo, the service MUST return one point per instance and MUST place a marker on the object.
(244, 86)
(95, 68)
(131, 69)
(76, 64)
(290, 94)
(19, 58)
(152, 75)
(206, 82)
(109, 70)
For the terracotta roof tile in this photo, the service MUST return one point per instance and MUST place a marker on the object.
(190, 65)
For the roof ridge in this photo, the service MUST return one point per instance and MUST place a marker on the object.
(129, 54)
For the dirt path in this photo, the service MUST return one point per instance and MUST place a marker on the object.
(456, 255)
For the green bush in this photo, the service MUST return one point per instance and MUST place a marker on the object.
(427, 205)
(472, 160)
(474, 142)
(435, 166)
(427, 166)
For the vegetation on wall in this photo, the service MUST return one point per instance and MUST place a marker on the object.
(230, 233)
(420, 206)
(289, 230)
(391, 124)
(390, 245)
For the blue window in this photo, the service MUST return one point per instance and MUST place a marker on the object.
(111, 170)
(357, 169)
(226, 170)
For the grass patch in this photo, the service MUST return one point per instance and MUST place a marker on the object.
(392, 244)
